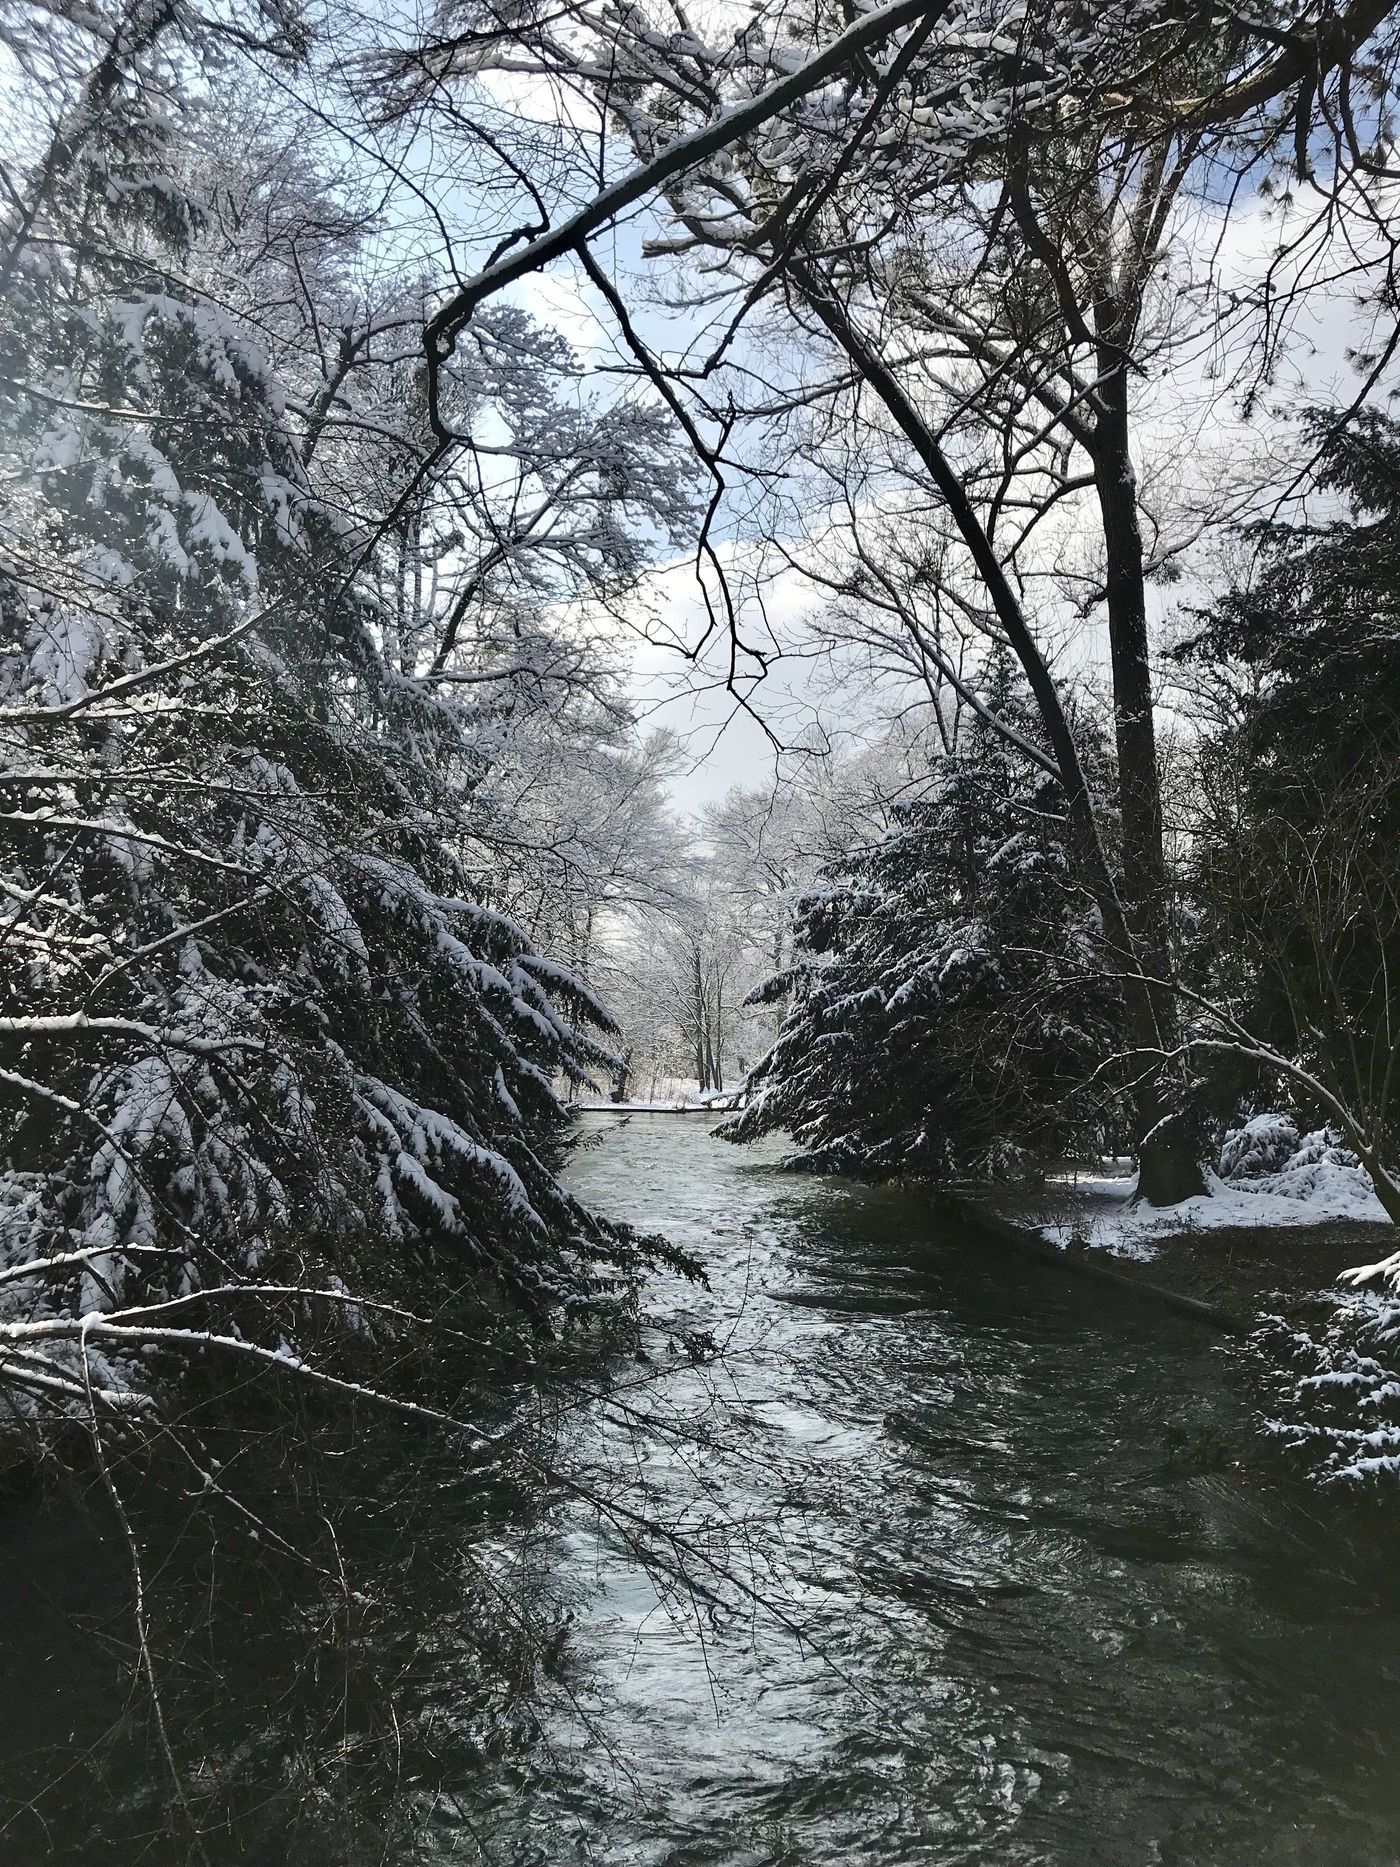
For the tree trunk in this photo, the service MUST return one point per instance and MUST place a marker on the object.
(702, 1074)
(1168, 1165)
(1168, 1168)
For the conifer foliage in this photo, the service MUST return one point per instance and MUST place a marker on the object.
(1295, 856)
(947, 1015)
(256, 993)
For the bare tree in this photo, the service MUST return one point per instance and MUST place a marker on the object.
(1092, 133)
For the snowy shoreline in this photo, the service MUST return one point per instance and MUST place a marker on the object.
(1294, 1216)
(1099, 1213)
(1271, 1178)
(723, 1104)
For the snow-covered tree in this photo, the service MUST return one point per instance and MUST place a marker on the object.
(260, 1006)
(960, 213)
(947, 1014)
(1298, 806)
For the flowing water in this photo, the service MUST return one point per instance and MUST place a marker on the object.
(1061, 1616)
(947, 1557)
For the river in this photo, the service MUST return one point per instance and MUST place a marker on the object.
(1062, 1616)
(961, 1559)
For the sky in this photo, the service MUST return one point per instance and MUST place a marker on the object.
(1196, 457)
(1202, 461)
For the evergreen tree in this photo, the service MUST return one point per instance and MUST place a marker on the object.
(1297, 856)
(256, 999)
(947, 1012)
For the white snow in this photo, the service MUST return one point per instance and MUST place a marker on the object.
(1100, 1213)
(716, 1104)
(670, 1095)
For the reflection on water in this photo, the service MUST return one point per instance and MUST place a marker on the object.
(1046, 1616)
(947, 1558)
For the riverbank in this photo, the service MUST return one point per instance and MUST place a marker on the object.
(1227, 1273)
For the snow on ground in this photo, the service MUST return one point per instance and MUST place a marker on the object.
(1308, 1191)
(669, 1095)
(678, 1106)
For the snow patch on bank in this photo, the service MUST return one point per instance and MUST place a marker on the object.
(669, 1095)
(1272, 1176)
(718, 1103)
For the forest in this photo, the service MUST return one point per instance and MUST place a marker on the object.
(664, 667)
